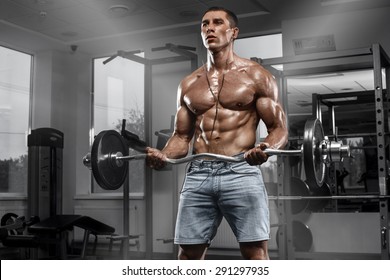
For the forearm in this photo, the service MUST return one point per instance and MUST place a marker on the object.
(176, 147)
(277, 138)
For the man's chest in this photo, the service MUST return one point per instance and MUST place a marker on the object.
(229, 92)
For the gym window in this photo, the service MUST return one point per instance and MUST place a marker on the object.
(266, 46)
(15, 120)
(118, 93)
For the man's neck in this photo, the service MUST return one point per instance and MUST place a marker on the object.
(219, 60)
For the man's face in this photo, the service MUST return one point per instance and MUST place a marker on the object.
(216, 31)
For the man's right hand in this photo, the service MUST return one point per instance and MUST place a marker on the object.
(155, 158)
(257, 156)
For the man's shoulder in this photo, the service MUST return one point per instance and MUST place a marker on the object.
(252, 68)
(191, 78)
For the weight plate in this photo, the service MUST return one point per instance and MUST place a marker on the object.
(108, 173)
(319, 204)
(312, 152)
(298, 188)
(301, 236)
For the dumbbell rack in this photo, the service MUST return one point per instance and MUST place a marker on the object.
(373, 58)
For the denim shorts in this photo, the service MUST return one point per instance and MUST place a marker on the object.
(213, 190)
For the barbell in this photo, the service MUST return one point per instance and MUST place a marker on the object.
(109, 156)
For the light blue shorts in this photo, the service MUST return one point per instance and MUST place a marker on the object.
(215, 189)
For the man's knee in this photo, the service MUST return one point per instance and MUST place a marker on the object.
(192, 252)
(254, 250)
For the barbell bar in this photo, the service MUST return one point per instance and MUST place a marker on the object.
(328, 197)
(269, 152)
(109, 156)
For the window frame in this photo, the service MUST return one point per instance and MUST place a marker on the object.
(23, 194)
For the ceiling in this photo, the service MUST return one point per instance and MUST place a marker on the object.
(85, 22)
(77, 21)
(74, 21)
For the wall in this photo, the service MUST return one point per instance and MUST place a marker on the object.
(351, 30)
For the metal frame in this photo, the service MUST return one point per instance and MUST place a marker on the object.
(374, 58)
(184, 53)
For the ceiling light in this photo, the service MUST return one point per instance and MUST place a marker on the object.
(340, 99)
(320, 76)
(337, 2)
(41, 2)
(119, 10)
(42, 14)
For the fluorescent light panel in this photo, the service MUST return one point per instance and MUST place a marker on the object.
(338, 2)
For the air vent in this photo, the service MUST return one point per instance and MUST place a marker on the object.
(317, 44)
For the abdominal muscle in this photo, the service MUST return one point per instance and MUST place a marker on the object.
(232, 133)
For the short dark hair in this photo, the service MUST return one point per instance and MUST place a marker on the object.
(233, 20)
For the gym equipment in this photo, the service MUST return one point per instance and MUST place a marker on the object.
(301, 189)
(109, 174)
(45, 149)
(51, 233)
(328, 197)
(302, 237)
(315, 205)
(298, 188)
(13, 223)
(12, 229)
(109, 156)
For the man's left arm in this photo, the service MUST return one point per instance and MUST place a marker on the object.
(272, 114)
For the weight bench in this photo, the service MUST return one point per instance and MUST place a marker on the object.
(58, 225)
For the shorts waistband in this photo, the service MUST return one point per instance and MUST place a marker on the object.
(216, 162)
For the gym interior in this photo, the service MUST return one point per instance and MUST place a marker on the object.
(81, 79)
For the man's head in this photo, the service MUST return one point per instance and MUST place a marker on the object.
(233, 20)
(219, 28)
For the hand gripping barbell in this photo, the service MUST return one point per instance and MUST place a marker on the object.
(110, 155)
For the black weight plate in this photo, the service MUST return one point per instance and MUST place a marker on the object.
(312, 155)
(319, 204)
(298, 188)
(107, 173)
(302, 237)
(294, 160)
